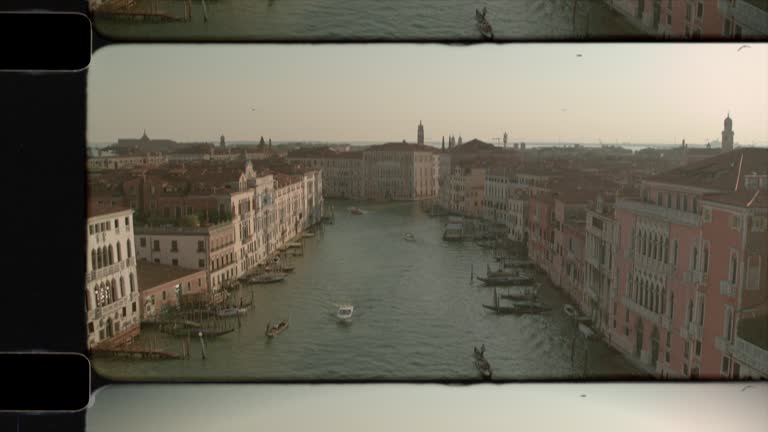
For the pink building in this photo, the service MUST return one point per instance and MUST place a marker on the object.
(666, 256)
(541, 234)
(163, 286)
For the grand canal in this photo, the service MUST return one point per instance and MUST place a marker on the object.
(418, 316)
(391, 20)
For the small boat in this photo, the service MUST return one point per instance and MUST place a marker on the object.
(525, 293)
(484, 367)
(479, 353)
(506, 280)
(483, 25)
(519, 308)
(344, 313)
(409, 237)
(267, 278)
(287, 268)
(273, 330)
(355, 211)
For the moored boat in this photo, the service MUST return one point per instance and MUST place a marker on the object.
(506, 280)
(409, 237)
(273, 330)
(523, 293)
(267, 278)
(356, 211)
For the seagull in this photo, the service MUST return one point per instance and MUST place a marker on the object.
(578, 55)
(746, 387)
(742, 47)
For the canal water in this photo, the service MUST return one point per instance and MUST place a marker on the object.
(372, 19)
(417, 316)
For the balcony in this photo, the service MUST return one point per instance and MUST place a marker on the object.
(653, 210)
(727, 289)
(653, 265)
(109, 270)
(691, 330)
(640, 310)
(750, 354)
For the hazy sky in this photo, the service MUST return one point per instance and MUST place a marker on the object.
(641, 93)
(418, 408)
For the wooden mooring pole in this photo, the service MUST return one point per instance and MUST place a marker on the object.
(202, 345)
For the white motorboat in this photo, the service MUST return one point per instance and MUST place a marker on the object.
(409, 237)
(344, 313)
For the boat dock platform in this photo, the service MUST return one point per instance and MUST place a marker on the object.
(131, 352)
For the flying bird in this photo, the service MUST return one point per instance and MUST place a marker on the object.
(578, 55)
(742, 47)
(746, 387)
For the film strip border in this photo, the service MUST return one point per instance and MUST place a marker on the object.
(44, 382)
(45, 41)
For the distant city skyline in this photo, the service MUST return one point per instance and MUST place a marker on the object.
(537, 93)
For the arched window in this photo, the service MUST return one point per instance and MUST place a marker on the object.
(129, 251)
(655, 245)
(98, 258)
(642, 234)
(119, 253)
(663, 310)
(690, 311)
(87, 301)
(130, 281)
(122, 287)
(705, 263)
(666, 250)
(93, 260)
(111, 256)
(695, 257)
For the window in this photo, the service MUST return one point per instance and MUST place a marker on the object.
(201, 246)
(90, 229)
(133, 307)
(700, 319)
(698, 348)
(686, 349)
(156, 245)
(143, 241)
(124, 311)
(174, 246)
(659, 199)
(733, 268)
(736, 370)
(164, 295)
(700, 10)
(175, 262)
(728, 323)
(759, 223)
(725, 366)
(157, 260)
(707, 214)
(705, 262)
(669, 19)
(129, 250)
(201, 263)
(126, 221)
(671, 305)
(677, 201)
(117, 223)
(685, 203)
(688, 12)
(737, 33)
(753, 273)
(90, 328)
(694, 258)
(727, 27)
(669, 200)
(109, 225)
(674, 252)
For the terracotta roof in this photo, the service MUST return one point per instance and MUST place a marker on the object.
(718, 172)
(151, 274)
(742, 198)
(473, 146)
(402, 146)
(96, 209)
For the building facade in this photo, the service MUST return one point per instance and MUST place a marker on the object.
(111, 288)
